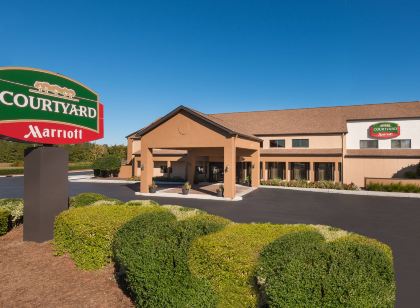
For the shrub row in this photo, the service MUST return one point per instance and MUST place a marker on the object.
(227, 259)
(302, 269)
(306, 184)
(11, 171)
(4, 221)
(11, 212)
(394, 187)
(171, 256)
(107, 166)
(151, 253)
(86, 233)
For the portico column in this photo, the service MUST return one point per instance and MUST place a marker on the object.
(264, 171)
(168, 166)
(288, 176)
(336, 172)
(229, 159)
(311, 172)
(191, 162)
(255, 168)
(146, 174)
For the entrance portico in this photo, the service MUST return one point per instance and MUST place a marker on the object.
(202, 137)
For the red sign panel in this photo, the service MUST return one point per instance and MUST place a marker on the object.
(384, 130)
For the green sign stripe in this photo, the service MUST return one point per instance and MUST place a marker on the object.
(55, 111)
(29, 77)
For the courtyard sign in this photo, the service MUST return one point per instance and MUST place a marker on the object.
(384, 130)
(44, 107)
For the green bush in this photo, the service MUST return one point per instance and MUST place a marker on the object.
(80, 166)
(394, 187)
(306, 184)
(227, 260)
(302, 269)
(15, 208)
(151, 254)
(11, 171)
(107, 166)
(85, 199)
(4, 221)
(86, 233)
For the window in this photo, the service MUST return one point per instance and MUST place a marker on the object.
(276, 170)
(277, 143)
(300, 143)
(401, 144)
(299, 171)
(324, 171)
(163, 169)
(368, 144)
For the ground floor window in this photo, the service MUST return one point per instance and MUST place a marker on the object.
(324, 171)
(276, 170)
(299, 171)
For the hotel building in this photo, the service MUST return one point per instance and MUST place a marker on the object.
(345, 144)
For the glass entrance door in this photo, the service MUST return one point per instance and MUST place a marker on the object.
(216, 172)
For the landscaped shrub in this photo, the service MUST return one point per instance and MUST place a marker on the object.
(151, 254)
(394, 187)
(107, 166)
(86, 233)
(227, 260)
(302, 269)
(85, 199)
(15, 208)
(306, 184)
(4, 221)
(11, 171)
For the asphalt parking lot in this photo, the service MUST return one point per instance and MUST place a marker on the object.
(395, 221)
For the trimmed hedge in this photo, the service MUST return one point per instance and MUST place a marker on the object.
(151, 254)
(4, 221)
(15, 208)
(302, 269)
(306, 184)
(107, 166)
(394, 187)
(85, 199)
(86, 233)
(227, 260)
(11, 171)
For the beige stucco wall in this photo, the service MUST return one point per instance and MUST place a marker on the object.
(356, 169)
(315, 141)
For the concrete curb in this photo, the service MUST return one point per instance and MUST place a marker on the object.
(189, 196)
(349, 192)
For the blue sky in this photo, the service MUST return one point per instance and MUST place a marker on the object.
(147, 57)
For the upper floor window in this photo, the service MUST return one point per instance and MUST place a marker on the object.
(300, 143)
(277, 143)
(368, 144)
(401, 144)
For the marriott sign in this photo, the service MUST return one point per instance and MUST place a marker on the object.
(44, 107)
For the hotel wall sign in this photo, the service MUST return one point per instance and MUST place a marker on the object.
(384, 130)
(43, 107)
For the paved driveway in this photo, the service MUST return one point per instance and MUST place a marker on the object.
(395, 221)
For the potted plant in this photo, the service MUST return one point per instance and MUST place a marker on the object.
(220, 190)
(186, 188)
(153, 187)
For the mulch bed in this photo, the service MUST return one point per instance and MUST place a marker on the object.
(31, 276)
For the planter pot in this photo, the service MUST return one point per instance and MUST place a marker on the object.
(152, 190)
(220, 193)
(185, 191)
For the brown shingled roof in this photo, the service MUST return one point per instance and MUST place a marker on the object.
(323, 120)
(315, 120)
